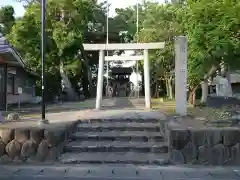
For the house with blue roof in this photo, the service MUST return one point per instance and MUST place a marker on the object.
(17, 85)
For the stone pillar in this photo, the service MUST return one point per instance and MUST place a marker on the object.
(147, 80)
(100, 79)
(181, 75)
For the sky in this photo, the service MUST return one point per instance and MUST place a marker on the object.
(19, 10)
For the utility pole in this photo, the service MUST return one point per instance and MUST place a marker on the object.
(137, 25)
(137, 19)
(107, 43)
(44, 4)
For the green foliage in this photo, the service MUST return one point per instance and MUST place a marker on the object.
(160, 25)
(6, 19)
(212, 28)
(67, 21)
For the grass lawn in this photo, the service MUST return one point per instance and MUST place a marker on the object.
(207, 113)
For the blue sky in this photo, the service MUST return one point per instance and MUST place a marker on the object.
(19, 10)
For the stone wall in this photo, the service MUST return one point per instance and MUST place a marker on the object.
(33, 143)
(207, 146)
(218, 102)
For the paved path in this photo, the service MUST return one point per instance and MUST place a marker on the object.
(112, 103)
(103, 172)
(72, 116)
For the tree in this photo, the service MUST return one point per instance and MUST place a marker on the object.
(212, 28)
(69, 25)
(7, 19)
(160, 25)
(126, 19)
(66, 24)
(28, 43)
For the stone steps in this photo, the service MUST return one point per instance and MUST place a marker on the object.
(119, 136)
(119, 120)
(119, 126)
(124, 141)
(116, 158)
(116, 146)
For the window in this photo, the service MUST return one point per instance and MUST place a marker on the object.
(10, 83)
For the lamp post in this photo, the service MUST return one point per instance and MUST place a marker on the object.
(137, 26)
(107, 28)
(43, 49)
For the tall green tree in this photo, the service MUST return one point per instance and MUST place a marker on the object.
(7, 19)
(160, 25)
(66, 24)
(126, 19)
(212, 28)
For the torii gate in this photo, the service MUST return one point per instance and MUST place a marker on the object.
(181, 68)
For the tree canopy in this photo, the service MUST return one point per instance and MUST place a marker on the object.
(212, 29)
(6, 19)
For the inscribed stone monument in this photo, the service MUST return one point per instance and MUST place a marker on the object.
(223, 88)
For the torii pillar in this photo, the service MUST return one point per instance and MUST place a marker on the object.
(100, 79)
(147, 80)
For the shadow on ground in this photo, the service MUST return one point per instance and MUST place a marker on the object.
(119, 103)
(113, 103)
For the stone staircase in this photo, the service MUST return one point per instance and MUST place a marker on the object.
(117, 141)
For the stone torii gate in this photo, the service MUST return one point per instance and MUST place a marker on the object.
(181, 68)
(133, 46)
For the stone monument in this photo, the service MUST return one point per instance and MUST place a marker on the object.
(224, 95)
(181, 57)
(223, 88)
(109, 92)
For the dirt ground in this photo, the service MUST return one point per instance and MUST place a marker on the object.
(198, 116)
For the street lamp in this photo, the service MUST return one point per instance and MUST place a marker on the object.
(43, 120)
(137, 26)
(107, 40)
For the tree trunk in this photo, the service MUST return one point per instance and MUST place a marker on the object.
(71, 94)
(86, 85)
(192, 96)
(156, 94)
(169, 88)
(157, 89)
(230, 92)
(87, 82)
(211, 72)
(143, 84)
(204, 86)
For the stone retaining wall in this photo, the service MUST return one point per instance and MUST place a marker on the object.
(218, 102)
(207, 146)
(33, 143)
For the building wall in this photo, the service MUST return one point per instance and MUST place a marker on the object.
(19, 79)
